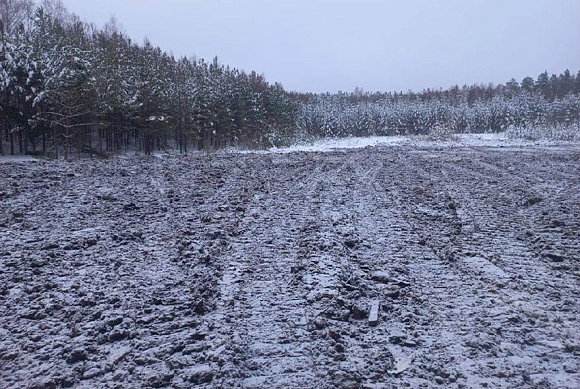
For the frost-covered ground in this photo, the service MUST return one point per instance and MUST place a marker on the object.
(16, 158)
(460, 140)
(261, 270)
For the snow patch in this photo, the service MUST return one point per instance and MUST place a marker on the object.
(17, 158)
(461, 140)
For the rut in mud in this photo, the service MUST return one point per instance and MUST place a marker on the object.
(257, 270)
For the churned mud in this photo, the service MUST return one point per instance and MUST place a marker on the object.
(382, 267)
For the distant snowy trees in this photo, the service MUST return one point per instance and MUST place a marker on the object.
(551, 100)
(66, 87)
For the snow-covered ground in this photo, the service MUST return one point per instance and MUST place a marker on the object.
(498, 140)
(16, 158)
(346, 143)
(461, 140)
(262, 270)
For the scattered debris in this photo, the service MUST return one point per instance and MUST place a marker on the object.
(374, 313)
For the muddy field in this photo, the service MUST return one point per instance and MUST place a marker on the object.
(261, 270)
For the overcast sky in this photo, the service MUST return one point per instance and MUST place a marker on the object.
(387, 45)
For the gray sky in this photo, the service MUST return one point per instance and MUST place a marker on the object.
(331, 45)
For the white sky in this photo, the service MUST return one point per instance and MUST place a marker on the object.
(388, 45)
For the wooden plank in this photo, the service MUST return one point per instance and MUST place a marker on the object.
(374, 313)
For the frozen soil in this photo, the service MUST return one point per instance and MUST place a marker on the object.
(260, 270)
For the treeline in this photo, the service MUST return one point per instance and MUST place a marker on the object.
(69, 87)
(546, 101)
(66, 86)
